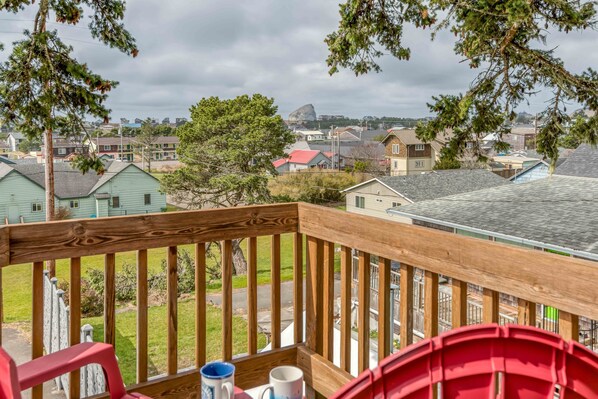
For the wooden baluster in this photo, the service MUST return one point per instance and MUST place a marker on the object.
(75, 321)
(37, 320)
(490, 303)
(526, 313)
(275, 292)
(458, 303)
(252, 296)
(431, 313)
(569, 326)
(200, 304)
(298, 286)
(363, 318)
(406, 305)
(328, 306)
(430, 304)
(346, 263)
(171, 310)
(142, 306)
(314, 301)
(227, 300)
(385, 328)
(110, 299)
(314, 295)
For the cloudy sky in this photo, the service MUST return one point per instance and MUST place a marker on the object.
(194, 49)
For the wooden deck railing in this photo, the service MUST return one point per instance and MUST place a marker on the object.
(534, 277)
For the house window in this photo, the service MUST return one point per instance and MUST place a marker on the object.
(116, 202)
(147, 199)
(359, 202)
(420, 147)
(74, 203)
(419, 164)
(107, 148)
(396, 148)
(396, 163)
(469, 145)
(395, 204)
(36, 207)
(62, 151)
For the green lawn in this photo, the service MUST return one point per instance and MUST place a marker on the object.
(157, 339)
(16, 281)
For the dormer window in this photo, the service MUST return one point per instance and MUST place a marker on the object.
(420, 147)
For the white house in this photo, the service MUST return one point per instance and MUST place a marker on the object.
(14, 139)
(310, 135)
(302, 159)
(376, 196)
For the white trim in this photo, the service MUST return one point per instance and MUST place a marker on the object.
(376, 179)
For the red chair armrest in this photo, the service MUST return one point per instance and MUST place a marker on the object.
(58, 363)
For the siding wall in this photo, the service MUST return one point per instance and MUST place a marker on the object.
(130, 186)
(86, 209)
(413, 162)
(20, 192)
(388, 148)
(378, 199)
(540, 171)
(426, 153)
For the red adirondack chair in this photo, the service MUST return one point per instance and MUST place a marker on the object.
(472, 362)
(15, 379)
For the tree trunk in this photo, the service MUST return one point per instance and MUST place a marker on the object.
(239, 261)
(49, 180)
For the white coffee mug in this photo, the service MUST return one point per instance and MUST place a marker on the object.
(218, 381)
(286, 382)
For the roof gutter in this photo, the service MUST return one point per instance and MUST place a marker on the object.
(514, 239)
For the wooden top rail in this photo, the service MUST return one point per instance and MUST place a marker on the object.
(559, 281)
(74, 238)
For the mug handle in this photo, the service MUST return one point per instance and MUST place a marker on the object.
(230, 390)
(268, 387)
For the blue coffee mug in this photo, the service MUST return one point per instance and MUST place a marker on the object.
(217, 381)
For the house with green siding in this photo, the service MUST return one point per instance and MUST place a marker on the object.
(123, 189)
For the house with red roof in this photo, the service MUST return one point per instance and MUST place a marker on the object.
(302, 159)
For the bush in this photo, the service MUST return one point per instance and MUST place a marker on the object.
(185, 275)
(314, 186)
(92, 303)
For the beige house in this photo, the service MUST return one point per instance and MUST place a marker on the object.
(376, 196)
(408, 155)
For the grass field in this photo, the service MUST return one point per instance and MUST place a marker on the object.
(157, 339)
(16, 280)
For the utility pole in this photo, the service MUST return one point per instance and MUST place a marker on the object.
(49, 182)
(339, 152)
(120, 132)
(332, 144)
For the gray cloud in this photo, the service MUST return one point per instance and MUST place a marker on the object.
(195, 49)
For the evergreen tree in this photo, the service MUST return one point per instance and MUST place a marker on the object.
(501, 38)
(227, 149)
(43, 89)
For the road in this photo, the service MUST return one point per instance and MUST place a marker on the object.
(264, 301)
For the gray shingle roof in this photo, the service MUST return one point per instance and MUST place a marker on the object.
(68, 182)
(4, 170)
(431, 185)
(583, 162)
(557, 211)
